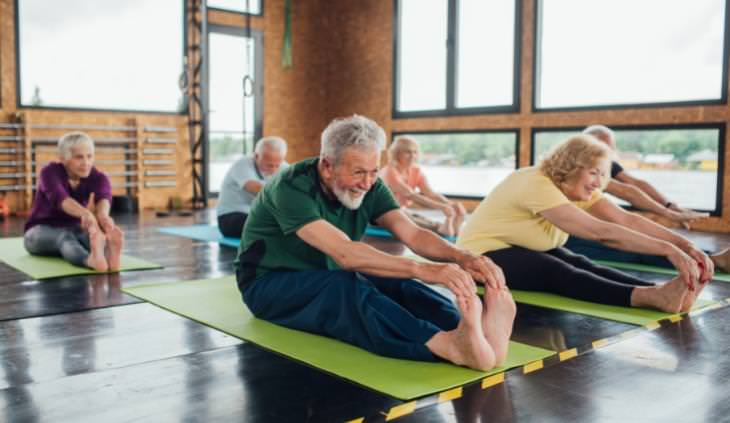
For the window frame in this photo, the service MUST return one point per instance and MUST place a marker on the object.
(237, 12)
(537, 59)
(451, 68)
(515, 131)
(18, 92)
(258, 55)
(720, 126)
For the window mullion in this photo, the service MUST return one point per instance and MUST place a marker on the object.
(451, 56)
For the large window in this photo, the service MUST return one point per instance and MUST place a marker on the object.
(683, 164)
(101, 54)
(455, 56)
(232, 57)
(466, 164)
(599, 53)
(236, 5)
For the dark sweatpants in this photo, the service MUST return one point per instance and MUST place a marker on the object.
(562, 272)
(231, 224)
(390, 317)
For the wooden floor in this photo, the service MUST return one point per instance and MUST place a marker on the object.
(78, 349)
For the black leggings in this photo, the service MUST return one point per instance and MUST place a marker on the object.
(231, 224)
(561, 272)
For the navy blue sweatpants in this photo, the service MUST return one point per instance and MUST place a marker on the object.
(390, 317)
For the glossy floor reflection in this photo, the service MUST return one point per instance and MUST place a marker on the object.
(78, 349)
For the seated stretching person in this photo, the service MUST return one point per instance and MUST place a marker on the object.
(404, 177)
(70, 215)
(644, 196)
(301, 263)
(244, 180)
(523, 223)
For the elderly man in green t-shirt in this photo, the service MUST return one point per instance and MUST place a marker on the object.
(302, 265)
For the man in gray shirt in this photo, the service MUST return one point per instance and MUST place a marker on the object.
(244, 180)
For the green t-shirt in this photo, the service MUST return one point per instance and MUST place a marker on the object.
(291, 200)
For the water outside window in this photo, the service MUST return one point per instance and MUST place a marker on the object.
(683, 164)
(466, 164)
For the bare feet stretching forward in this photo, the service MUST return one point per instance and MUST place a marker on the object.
(465, 345)
(497, 321)
(96, 259)
(114, 246)
(671, 297)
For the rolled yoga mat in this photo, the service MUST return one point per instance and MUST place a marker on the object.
(14, 254)
(201, 233)
(217, 303)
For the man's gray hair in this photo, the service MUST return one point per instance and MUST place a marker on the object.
(273, 142)
(68, 141)
(598, 130)
(354, 131)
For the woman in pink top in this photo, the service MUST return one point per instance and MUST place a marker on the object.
(404, 177)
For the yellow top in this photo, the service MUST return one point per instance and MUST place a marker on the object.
(510, 215)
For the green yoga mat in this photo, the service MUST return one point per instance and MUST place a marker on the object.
(632, 315)
(217, 303)
(13, 253)
(719, 276)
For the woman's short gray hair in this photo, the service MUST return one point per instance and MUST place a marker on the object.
(599, 130)
(354, 131)
(68, 141)
(273, 142)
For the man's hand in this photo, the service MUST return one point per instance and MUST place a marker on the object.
(450, 275)
(483, 270)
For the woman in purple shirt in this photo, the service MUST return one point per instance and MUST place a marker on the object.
(70, 215)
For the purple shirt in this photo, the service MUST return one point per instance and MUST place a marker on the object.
(54, 187)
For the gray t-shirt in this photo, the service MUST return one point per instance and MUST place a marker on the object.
(232, 197)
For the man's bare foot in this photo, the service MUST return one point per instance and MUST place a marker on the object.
(114, 246)
(96, 259)
(670, 297)
(722, 260)
(498, 319)
(465, 345)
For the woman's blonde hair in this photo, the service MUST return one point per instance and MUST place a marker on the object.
(397, 145)
(578, 152)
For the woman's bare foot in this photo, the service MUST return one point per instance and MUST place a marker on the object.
(465, 345)
(96, 259)
(115, 244)
(692, 296)
(670, 297)
(498, 319)
(722, 260)
(447, 227)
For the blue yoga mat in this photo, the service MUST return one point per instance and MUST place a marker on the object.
(384, 233)
(201, 233)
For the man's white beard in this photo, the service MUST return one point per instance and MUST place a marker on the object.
(345, 197)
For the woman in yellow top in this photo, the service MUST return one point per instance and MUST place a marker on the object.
(409, 185)
(524, 222)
